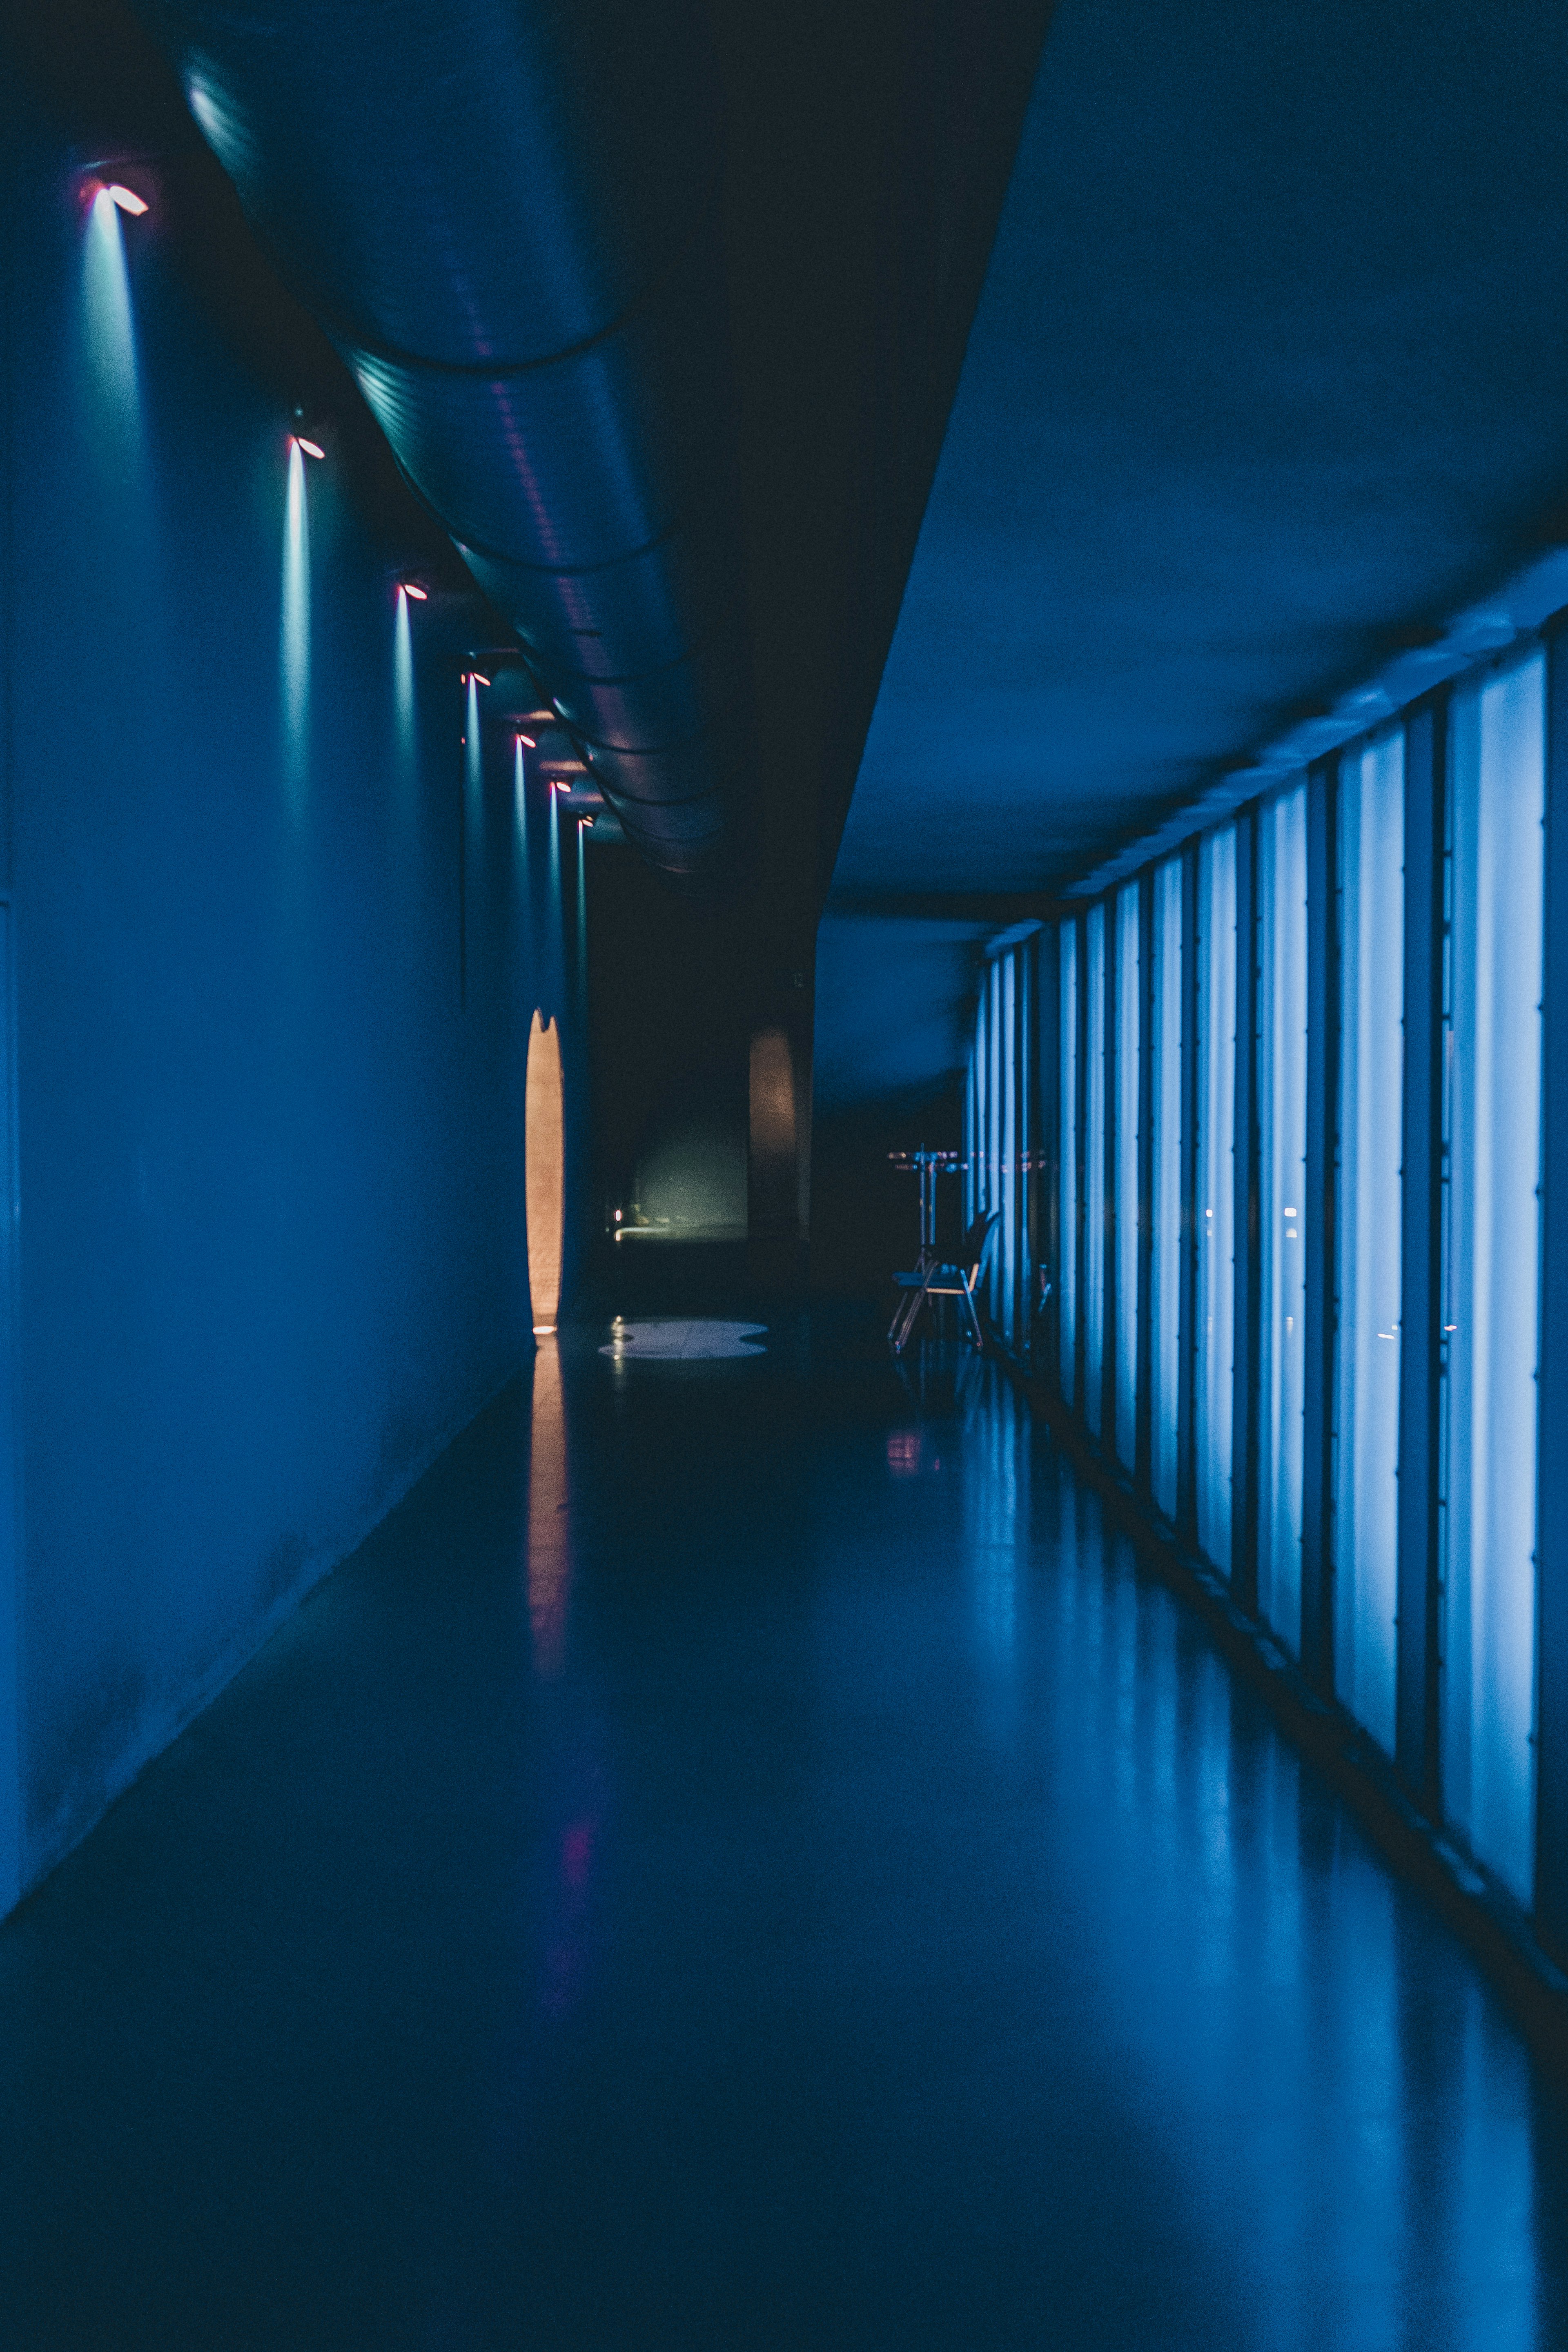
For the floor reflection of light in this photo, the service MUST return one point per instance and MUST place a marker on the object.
(698, 1341)
(994, 1528)
(549, 1521)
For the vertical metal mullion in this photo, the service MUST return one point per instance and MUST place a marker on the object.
(1080, 1167)
(1417, 1745)
(1143, 1411)
(1551, 1474)
(1244, 1357)
(1188, 1317)
(1322, 1112)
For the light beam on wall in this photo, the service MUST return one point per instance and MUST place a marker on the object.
(296, 630)
(582, 937)
(403, 681)
(110, 331)
(545, 1173)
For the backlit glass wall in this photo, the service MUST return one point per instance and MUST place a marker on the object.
(1283, 1207)
(1128, 983)
(1492, 1305)
(1165, 1187)
(1066, 1157)
(1212, 1400)
(1182, 999)
(1371, 836)
(1093, 1301)
(999, 1147)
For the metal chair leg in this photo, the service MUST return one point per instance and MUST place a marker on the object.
(904, 1320)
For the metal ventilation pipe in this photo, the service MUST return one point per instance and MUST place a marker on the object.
(502, 212)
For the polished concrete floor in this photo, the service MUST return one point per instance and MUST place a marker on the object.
(776, 1876)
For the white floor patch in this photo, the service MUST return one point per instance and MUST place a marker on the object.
(682, 1342)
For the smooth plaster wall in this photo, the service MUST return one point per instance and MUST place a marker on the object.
(270, 1253)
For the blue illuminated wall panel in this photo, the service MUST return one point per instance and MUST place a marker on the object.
(1165, 1282)
(1067, 1162)
(1009, 1198)
(1000, 1091)
(1283, 1207)
(1366, 1374)
(1214, 1406)
(1128, 993)
(1093, 1300)
(1497, 739)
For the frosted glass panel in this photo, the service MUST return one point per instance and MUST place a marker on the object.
(1283, 1204)
(1165, 1284)
(1492, 1278)
(1004, 1252)
(1094, 1166)
(1366, 1375)
(1129, 984)
(1215, 1188)
(1067, 1173)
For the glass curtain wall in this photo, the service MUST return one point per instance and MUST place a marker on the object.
(1165, 1283)
(1493, 1035)
(1213, 1396)
(1093, 1301)
(1120, 994)
(1283, 1207)
(1067, 1163)
(1371, 833)
(1128, 988)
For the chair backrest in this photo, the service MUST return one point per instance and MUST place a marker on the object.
(977, 1242)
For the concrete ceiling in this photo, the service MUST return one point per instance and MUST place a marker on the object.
(1269, 375)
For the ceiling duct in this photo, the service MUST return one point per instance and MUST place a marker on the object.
(503, 214)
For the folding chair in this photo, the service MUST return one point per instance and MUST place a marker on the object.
(946, 1282)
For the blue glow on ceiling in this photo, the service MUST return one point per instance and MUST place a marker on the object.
(1268, 375)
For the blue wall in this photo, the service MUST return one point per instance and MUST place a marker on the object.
(270, 1253)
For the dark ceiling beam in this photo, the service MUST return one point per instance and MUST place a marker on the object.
(869, 148)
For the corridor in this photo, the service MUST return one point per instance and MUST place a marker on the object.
(775, 1875)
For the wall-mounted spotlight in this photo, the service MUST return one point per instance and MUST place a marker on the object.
(308, 448)
(527, 741)
(476, 678)
(411, 588)
(126, 198)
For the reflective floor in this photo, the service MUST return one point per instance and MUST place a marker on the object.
(776, 1877)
